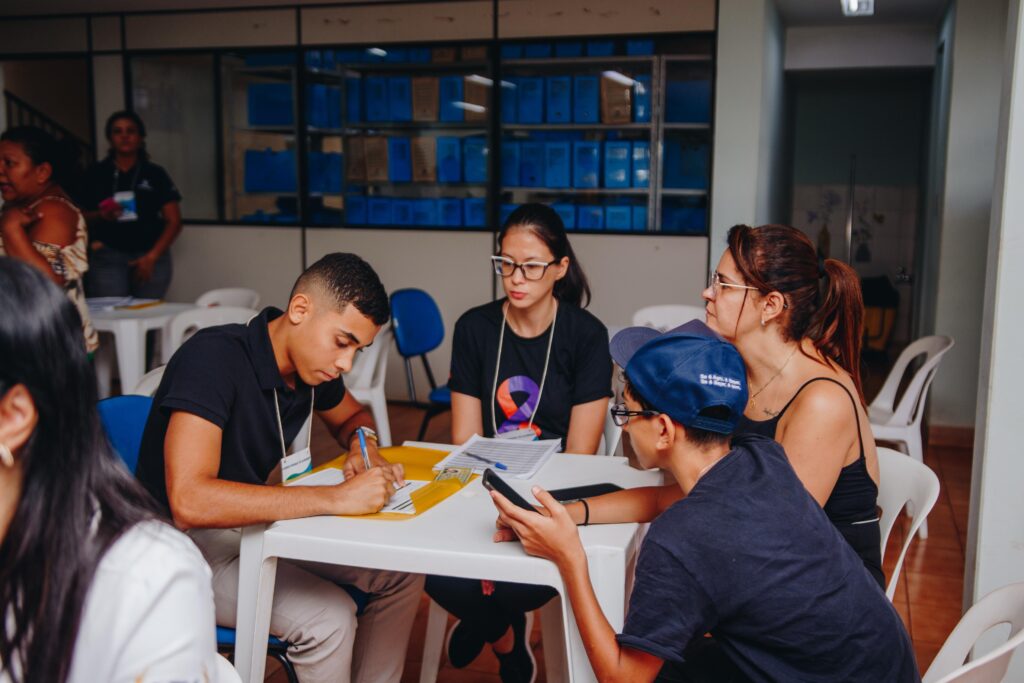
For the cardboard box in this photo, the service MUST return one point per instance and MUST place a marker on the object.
(474, 159)
(586, 164)
(531, 164)
(557, 163)
(355, 159)
(449, 160)
(616, 100)
(559, 99)
(475, 94)
(376, 149)
(617, 164)
(442, 55)
(451, 97)
(425, 98)
(400, 96)
(474, 53)
(424, 159)
(642, 99)
(586, 99)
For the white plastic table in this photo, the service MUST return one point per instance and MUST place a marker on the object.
(129, 327)
(452, 539)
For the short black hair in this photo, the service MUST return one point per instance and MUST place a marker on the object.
(347, 279)
(701, 438)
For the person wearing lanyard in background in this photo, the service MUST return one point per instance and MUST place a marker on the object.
(231, 399)
(532, 365)
(134, 215)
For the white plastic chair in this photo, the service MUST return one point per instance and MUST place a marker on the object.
(230, 296)
(150, 382)
(186, 323)
(1001, 606)
(366, 382)
(901, 423)
(903, 481)
(663, 318)
(226, 673)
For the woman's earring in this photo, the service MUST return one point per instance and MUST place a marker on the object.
(6, 457)
(763, 323)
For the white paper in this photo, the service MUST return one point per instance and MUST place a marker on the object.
(325, 477)
(522, 459)
(401, 502)
(109, 303)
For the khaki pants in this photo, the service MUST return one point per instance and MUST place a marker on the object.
(318, 618)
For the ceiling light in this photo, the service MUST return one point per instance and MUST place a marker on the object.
(858, 8)
(619, 78)
(469, 107)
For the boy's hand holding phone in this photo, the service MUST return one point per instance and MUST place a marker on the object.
(551, 534)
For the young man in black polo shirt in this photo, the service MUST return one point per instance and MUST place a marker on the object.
(231, 398)
(737, 547)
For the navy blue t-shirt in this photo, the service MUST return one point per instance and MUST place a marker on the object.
(750, 557)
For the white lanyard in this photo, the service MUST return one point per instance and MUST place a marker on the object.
(497, 367)
(280, 426)
(135, 176)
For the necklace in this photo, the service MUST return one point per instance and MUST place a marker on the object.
(753, 399)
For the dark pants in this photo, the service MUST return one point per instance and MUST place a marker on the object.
(491, 615)
(706, 662)
(110, 275)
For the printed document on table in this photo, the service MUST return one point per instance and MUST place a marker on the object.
(401, 501)
(522, 459)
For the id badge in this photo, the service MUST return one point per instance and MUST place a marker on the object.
(129, 211)
(296, 464)
(524, 434)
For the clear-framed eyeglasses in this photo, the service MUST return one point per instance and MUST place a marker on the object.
(715, 283)
(621, 414)
(531, 270)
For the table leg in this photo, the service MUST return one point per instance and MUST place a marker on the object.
(608, 577)
(433, 643)
(130, 340)
(104, 364)
(256, 578)
(553, 633)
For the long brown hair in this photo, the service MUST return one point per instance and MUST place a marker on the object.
(823, 297)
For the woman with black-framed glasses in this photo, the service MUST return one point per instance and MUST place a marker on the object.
(532, 365)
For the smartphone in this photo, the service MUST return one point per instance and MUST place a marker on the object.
(492, 482)
(575, 493)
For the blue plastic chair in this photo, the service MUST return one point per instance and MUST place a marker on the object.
(419, 329)
(124, 421)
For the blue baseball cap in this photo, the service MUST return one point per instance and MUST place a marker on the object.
(683, 372)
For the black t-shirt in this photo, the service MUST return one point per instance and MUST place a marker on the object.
(227, 375)
(580, 369)
(153, 189)
(749, 556)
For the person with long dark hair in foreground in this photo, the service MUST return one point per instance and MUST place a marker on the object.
(93, 587)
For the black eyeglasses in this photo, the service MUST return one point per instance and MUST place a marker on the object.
(621, 414)
(532, 270)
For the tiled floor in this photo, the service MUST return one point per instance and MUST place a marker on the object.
(930, 586)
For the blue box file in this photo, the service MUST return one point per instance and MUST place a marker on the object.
(269, 171)
(531, 164)
(355, 209)
(323, 106)
(618, 218)
(512, 51)
(376, 92)
(641, 166)
(474, 212)
(509, 100)
(639, 47)
(314, 58)
(642, 99)
(424, 212)
(688, 102)
(509, 163)
(600, 48)
(349, 56)
(449, 160)
(506, 211)
(400, 96)
(399, 159)
(537, 50)
(567, 212)
(686, 166)
(450, 92)
(589, 217)
(402, 211)
(474, 159)
(569, 48)
(639, 218)
(270, 59)
(586, 98)
(325, 172)
(379, 211)
(449, 212)
(419, 55)
(531, 100)
(559, 99)
(557, 162)
(396, 55)
(683, 219)
(586, 164)
(270, 104)
(617, 164)
(353, 100)
(327, 60)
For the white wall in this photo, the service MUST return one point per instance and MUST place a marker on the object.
(979, 34)
(995, 540)
(860, 46)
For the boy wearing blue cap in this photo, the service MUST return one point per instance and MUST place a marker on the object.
(737, 547)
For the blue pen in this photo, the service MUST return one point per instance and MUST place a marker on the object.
(362, 447)
(497, 464)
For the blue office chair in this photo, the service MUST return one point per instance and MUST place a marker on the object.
(124, 421)
(419, 329)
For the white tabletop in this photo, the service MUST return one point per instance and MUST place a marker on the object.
(159, 310)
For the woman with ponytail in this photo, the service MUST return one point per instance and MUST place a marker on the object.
(533, 364)
(798, 323)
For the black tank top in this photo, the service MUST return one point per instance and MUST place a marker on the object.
(853, 504)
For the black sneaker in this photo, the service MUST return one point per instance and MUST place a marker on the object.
(463, 645)
(518, 665)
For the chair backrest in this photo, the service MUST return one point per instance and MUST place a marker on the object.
(667, 316)
(186, 323)
(371, 364)
(124, 420)
(911, 405)
(150, 382)
(1001, 606)
(611, 439)
(903, 480)
(416, 321)
(230, 296)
